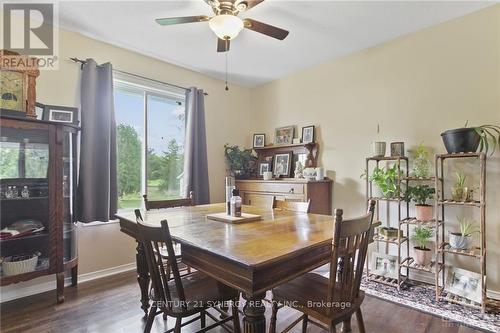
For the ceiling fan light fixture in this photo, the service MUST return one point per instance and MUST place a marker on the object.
(226, 26)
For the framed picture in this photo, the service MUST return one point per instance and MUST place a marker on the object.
(259, 140)
(284, 135)
(385, 265)
(282, 164)
(264, 167)
(61, 114)
(308, 134)
(464, 283)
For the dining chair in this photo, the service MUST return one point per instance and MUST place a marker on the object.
(183, 296)
(294, 206)
(335, 299)
(172, 203)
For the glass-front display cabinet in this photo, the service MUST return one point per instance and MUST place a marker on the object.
(37, 201)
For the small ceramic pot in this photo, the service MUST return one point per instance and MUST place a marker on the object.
(397, 149)
(378, 149)
(320, 173)
(459, 193)
(423, 256)
(459, 242)
(424, 212)
(390, 232)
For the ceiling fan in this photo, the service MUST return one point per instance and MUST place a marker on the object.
(226, 24)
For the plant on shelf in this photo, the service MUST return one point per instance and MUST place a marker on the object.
(421, 236)
(387, 180)
(241, 161)
(421, 163)
(462, 240)
(420, 194)
(459, 191)
(469, 139)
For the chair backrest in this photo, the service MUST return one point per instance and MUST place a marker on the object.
(294, 206)
(154, 241)
(159, 204)
(349, 247)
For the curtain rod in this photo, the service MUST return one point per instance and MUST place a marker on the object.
(83, 62)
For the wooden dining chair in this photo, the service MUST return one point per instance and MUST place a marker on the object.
(294, 206)
(183, 296)
(335, 299)
(161, 204)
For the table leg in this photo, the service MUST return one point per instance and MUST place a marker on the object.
(254, 320)
(142, 277)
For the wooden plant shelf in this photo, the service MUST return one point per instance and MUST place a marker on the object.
(392, 240)
(388, 158)
(452, 298)
(431, 268)
(422, 179)
(474, 252)
(460, 203)
(460, 155)
(386, 280)
(413, 221)
(386, 199)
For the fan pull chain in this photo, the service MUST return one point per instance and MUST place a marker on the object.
(227, 51)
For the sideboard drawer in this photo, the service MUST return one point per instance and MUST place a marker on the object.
(275, 187)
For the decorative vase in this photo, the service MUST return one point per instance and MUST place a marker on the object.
(459, 242)
(397, 149)
(378, 149)
(423, 256)
(424, 212)
(461, 140)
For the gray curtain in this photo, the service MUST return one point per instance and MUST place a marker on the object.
(195, 150)
(97, 186)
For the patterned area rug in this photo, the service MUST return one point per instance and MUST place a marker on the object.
(421, 296)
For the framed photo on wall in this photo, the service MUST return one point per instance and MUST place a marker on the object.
(284, 135)
(259, 140)
(308, 134)
(61, 114)
(282, 164)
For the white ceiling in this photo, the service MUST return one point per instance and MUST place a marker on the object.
(319, 31)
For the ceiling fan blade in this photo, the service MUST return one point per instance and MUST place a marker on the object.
(180, 20)
(223, 45)
(265, 29)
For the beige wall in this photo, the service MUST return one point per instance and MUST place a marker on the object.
(227, 119)
(415, 87)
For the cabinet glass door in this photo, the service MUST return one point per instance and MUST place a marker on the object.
(69, 186)
(24, 200)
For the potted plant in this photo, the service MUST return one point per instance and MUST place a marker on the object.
(421, 162)
(420, 194)
(469, 139)
(459, 191)
(240, 161)
(421, 236)
(462, 240)
(386, 180)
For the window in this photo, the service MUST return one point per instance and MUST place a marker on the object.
(150, 125)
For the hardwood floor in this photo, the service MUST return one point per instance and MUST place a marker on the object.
(111, 304)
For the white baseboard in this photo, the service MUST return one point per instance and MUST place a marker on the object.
(32, 289)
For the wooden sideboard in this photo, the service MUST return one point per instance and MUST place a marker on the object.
(258, 192)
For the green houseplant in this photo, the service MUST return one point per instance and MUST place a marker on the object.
(386, 179)
(459, 190)
(421, 162)
(469, 139)
(462, 240)
(420, 194)
(421, 236)
(240, 161)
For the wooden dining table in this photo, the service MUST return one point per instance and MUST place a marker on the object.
(252, 257)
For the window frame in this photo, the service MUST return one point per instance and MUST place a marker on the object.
(148, 87)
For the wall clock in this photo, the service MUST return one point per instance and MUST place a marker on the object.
(17, 85)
